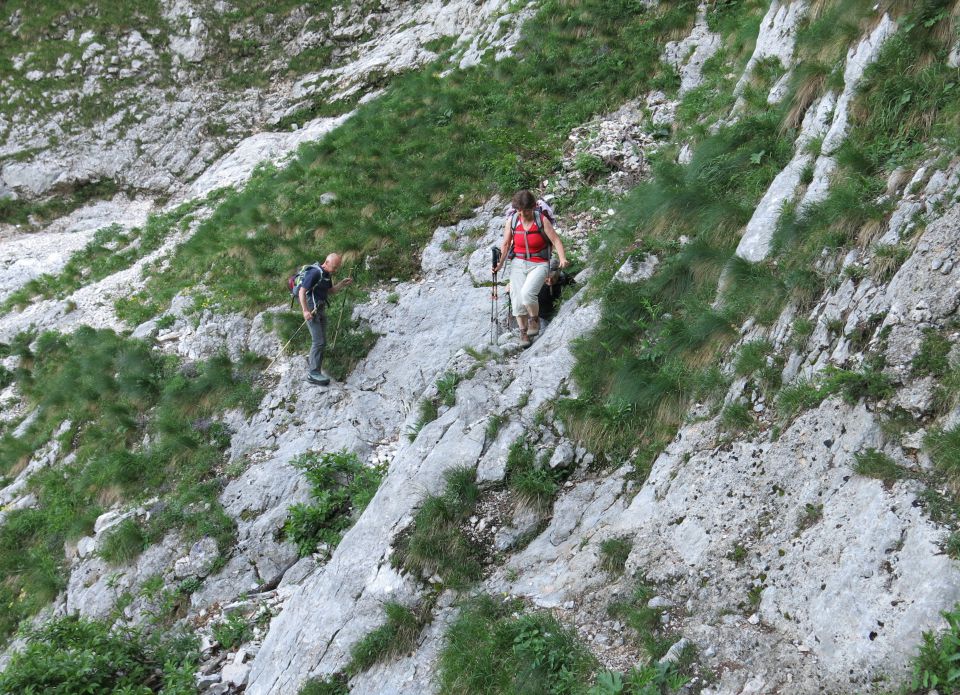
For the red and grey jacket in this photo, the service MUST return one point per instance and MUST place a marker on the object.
(530, 244)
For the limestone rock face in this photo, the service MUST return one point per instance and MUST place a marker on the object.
(836, 575)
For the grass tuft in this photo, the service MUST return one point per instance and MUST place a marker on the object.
(875, 464)
(436, 543)
(396, 637)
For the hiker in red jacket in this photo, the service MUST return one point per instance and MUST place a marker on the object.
(528, 238)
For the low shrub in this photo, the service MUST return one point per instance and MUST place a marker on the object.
(232, 631)
(76, 655)
(493, 647)
(341, 487)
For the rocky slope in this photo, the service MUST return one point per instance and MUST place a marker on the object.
(788, 570)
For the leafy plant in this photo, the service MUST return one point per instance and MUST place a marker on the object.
(233, 631)
(935, 667)
(76, 655)
(493, 647)
(341, 487)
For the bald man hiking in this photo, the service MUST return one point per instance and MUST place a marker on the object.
(316, 286)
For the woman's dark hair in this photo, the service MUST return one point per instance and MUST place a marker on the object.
(524, 201)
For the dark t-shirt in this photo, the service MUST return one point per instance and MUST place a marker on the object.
(317, 282)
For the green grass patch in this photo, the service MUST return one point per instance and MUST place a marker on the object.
(531, 480)
(106, 395)
(396, 637)
(614, 553)
(436, 542)
(736, 417)
(932, 359)
(868, 383)
(944, 448)
(341, 486)
(643, 620)
(123, 543)
(76, 655)
(494, 647)
(335, 684)
(875, 464)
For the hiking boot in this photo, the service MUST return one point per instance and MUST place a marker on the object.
(524, 340)
(533, 327)
(318, 378)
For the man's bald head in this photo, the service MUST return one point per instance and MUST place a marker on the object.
(332, 262)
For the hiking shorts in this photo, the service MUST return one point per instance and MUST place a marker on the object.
(526, 279)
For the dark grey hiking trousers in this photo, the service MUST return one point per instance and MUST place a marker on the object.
(318, 331)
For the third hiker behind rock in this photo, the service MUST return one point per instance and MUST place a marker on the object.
(315, 285)
(528, 237)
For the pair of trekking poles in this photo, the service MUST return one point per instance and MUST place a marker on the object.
(495, 300)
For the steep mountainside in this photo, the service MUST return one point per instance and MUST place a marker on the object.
(728, 464)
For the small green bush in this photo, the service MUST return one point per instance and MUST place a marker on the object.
(76, 655)
(233, 631)
(935, 667)
(614, 553)
(396, 637)
(341, 487)
(436, 542)
(591, 167)
(876, 464)
(494, 648)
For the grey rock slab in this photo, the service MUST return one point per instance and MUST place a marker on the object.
(755, 243)
(776, 38)
(199, 561)
(634, 271)
(339, 604)
(858, 58)
(689, 54)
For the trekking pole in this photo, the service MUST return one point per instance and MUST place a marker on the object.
(343, 303)
(494, 299)
(285, 346)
